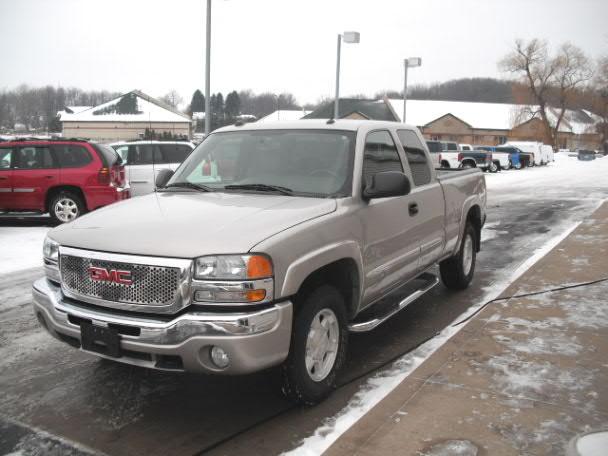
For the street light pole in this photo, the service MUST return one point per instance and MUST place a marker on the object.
(208, 73)
(405, 64)
(349, 37)
(336, 101)
(411, 62)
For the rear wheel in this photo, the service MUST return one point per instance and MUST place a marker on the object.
(493, 167)
(318, 346)
(66, 206)
(457, 271)
(467, 164)
(509, 165)
(517, 165)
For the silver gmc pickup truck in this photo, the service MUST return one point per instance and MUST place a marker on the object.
(266, 247)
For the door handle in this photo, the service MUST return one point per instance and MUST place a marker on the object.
(413, 208)
(49, 177)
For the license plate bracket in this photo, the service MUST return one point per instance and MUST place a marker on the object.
(100, 339)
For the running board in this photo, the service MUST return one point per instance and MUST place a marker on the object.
(430, 280)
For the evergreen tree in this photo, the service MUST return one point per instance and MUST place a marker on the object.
(198, 102)
(233, 105)
(127, 104)
(217, 110)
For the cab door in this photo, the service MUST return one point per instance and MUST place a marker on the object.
(6, 178)
(428, 218)
(391, 238)
(34, 172)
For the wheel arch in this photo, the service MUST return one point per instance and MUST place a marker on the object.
(53, 191)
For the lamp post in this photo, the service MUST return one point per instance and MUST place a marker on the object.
(348, 37)
(208, 72)
(409, 62)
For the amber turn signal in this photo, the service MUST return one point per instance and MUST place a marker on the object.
(259, 267)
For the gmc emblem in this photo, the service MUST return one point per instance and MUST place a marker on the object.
(110, 275)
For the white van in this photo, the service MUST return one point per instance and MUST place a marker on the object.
(144, 159)
(531, 147)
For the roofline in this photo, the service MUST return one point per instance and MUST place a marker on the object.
(455, 117)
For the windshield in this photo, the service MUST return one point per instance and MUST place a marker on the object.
(305, 162)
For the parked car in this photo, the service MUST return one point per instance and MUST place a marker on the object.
(306, 237)
(507, 157)
(65, 178)
(440, 157)
(145, 159)
(532, 151)
(449, 154)
(585, 154)
(481, 159)
(547, 153)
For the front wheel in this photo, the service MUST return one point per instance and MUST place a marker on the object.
(457, 271)
(318, 346)
(509, 165)
(493, 167)
(517, 165)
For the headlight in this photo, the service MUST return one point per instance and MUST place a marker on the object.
(50, 250)
(233, 267)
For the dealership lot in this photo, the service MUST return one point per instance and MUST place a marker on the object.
(119, 409)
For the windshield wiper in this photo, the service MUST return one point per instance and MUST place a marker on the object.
(198, 187)
(261, 188)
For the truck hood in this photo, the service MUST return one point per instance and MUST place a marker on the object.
(188, 225)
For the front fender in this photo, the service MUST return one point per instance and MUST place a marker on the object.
(300, 269)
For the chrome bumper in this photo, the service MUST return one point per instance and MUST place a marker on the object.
(253, 340)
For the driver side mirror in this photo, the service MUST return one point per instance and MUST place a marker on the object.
(163, 177)
(386, 184)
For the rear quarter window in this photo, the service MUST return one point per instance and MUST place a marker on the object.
(72, 156)
(5, 158)
(107, 155)
(416, 158)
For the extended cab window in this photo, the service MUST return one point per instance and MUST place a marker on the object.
(5, 158)
(414, 152)
(175, 153)
(70, 156)
(33, 158)
(380, 155)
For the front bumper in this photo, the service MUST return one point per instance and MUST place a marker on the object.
(253, 340)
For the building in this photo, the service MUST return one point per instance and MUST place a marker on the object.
(474, 122)
(126, 117)
(284, 114)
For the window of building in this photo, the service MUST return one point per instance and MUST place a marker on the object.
(414, 152)
(380, 155)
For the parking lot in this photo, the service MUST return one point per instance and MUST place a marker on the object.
(54, 397)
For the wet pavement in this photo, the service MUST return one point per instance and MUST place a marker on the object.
(123, 410)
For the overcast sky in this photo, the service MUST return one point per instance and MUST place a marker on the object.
(277, 45)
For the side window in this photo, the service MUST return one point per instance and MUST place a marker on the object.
(144, 154)
(33, 158)
(5, 158)
(70, 156)
(175, 153)
(414, 152)
(380, 155)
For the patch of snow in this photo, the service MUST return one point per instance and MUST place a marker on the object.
(545, 344)
(452, 448)
(21, 248)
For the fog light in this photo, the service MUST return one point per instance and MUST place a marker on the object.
(219, 357)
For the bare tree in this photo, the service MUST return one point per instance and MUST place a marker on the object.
(172, 98)
(600, 102)
(546, 76)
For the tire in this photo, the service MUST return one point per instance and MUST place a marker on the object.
(467, 165)
(509, 165)
(455, 274)
(493, 167)
(323, 303)
(518, 166)
(66, 206)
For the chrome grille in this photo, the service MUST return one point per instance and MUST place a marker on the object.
(152, 285)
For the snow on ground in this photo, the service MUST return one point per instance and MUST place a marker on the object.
(21, 247)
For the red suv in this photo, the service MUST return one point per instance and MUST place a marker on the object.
(65, 178)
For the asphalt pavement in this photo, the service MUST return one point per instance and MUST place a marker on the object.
(51, 391)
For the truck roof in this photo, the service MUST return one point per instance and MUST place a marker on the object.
(314, 124)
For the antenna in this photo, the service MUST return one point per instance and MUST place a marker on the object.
(152, 148)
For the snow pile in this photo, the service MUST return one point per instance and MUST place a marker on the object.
(21, 248)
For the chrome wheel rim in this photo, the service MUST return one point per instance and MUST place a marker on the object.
(322, 344)
(467, 255)
(66, 209)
